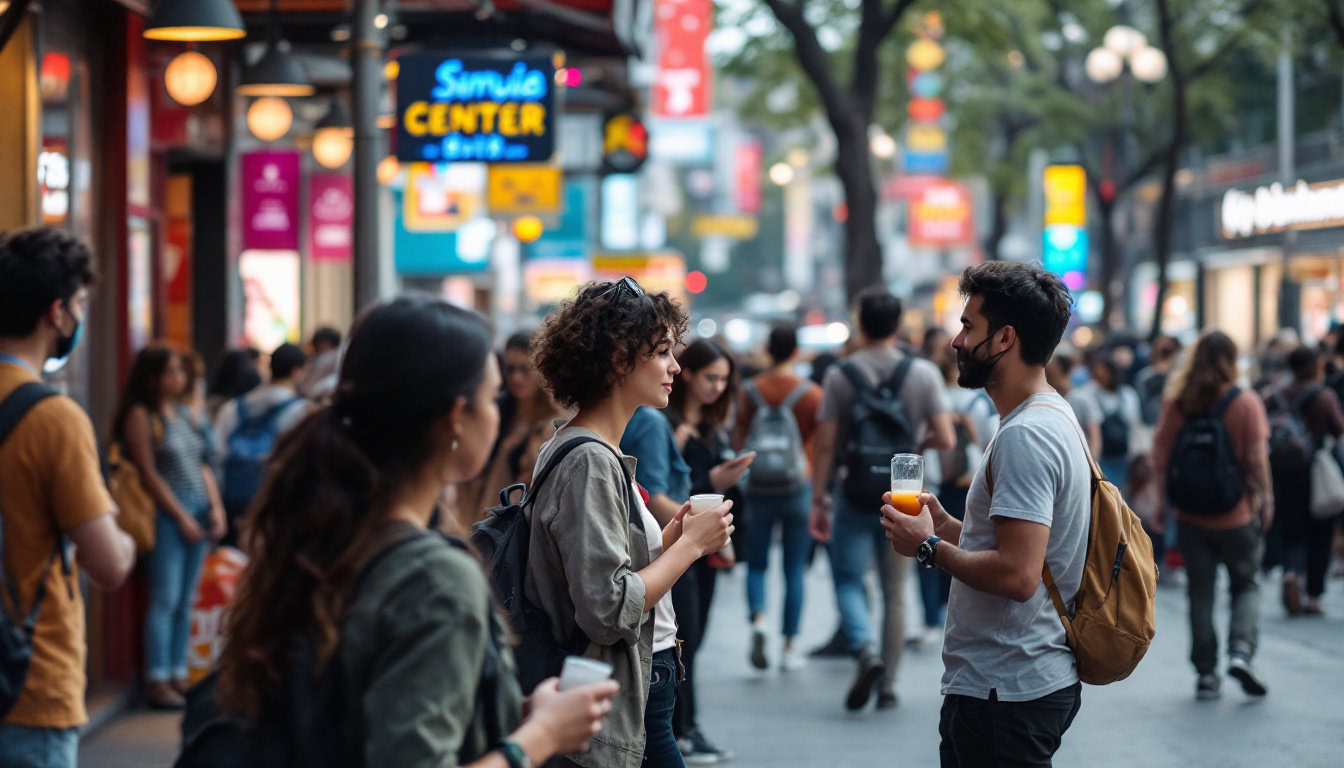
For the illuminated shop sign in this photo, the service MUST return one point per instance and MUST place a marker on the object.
(1276, 209)
(475, 108)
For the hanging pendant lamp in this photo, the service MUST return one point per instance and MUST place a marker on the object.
(194, 21)
(276, 73)
(333, 141)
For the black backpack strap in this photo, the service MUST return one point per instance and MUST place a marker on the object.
(1306, 398)
(855, 376)
(12, 410)
(897, 380)
(1225, 402)
(632, 506)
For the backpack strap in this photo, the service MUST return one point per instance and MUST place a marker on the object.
(798, 393)
(897, 380)
(632, 506)
(754, 394)
(12, 410)
(273, 415)
(243, 413)
(1306, 398)
(1225, 402)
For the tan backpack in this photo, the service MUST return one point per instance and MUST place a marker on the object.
(1113, 621)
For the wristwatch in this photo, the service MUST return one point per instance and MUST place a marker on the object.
(514, 754)
(927, 548)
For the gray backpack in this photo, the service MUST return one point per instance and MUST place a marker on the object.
(780, 467)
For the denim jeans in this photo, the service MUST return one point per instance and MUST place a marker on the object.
(1204, 550)
(980, 733)
(790, 514)
(935, 584)
(660, 746)
(691, 598)
(23, 746)
(174, 570)
(856, 538)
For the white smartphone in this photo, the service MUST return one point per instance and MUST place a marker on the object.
(745, 455)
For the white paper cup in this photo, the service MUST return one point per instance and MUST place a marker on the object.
(579, 671)
(705, 502)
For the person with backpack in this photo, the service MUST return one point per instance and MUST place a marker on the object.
(876, 403)
(51, 494)
(172, 453)
(1210, 458)
(1011, 683)
(600, 562)
(1306, 413)
(363, 631)
(247, 429)
(1121, 417)
(1151, 382)
(777, 420)
(698, 409)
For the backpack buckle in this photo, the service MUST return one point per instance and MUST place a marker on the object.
(506, 495)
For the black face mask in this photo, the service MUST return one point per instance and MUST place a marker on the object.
(973, 371)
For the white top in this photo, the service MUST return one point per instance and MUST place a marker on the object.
(664, 615)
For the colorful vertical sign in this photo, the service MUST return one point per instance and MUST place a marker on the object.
(748, 168)
(925, 136)
(940, 216)
(270, 182)
(177, 261)
(331, 216)
(683, 83)
(1065, 247)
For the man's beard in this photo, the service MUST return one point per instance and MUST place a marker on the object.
(974, 372)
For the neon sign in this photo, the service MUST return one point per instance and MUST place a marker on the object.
(475, 108)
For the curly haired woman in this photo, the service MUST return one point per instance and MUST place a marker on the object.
(595, 570)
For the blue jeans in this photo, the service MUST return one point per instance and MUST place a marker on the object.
(856, 539)
(660, 746)
(174, 570)
(935, 584)
(23, 746)
(790, 513)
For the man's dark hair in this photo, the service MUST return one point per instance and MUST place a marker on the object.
(521, 341)
(1065, 362)
(37, 267)
(285, 360)
(1304, 362)
(783, 342)
(1036, 303)
(326, 335)
(879, 313)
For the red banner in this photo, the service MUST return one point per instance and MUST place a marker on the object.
(683, 84)
(940, 216)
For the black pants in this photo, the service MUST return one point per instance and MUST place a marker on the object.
(1306, 540)
(979, 733)
(691, 597)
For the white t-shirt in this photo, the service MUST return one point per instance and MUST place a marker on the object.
(1041, 474)
(664, 615)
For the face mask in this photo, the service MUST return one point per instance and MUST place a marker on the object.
(64, 346)
(974, 372)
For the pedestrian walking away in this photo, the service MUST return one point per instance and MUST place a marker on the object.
(595, 569)
(777, 420)
(1011, 684)
(383, 647)
(51, 494)
(878, 402)
(1216, 528)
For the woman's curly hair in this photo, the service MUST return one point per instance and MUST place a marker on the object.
(586, 347)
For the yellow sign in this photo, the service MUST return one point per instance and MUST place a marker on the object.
(925, 137)
(731, 226)
(524, 188)
(1065, 195)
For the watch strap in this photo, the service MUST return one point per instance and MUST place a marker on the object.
(514, 753)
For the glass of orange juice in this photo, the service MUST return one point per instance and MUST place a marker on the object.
(907, 482)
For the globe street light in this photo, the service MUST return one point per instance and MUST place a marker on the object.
(1148, 64)
(781, 174)
(1124, 45)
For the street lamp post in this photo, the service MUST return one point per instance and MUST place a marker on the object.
(366, 54)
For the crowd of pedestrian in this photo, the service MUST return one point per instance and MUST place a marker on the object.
(360, 477)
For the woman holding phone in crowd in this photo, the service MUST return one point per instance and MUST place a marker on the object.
(592, 567)
(343, 558)
(698, 410)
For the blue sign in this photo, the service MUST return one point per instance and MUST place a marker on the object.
(569, 239)
(475, 108)
(926, 162)
(434, 254)
(1064, 252)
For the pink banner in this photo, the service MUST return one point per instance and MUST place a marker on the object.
(271, 200)
(683, 84)
(331, 215)
(749, 165)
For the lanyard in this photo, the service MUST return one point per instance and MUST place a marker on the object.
(16, 361)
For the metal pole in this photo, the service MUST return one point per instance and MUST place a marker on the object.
(366, 56)
(1287, 309)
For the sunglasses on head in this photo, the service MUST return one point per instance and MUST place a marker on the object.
(626, 285)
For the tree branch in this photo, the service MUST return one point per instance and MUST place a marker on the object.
(1336, 20)
(816, 63)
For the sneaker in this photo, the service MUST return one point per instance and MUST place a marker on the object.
(886, 697)
(703, 752)
(835, 648)
(1239, 666)
(1208, 687)
(871, 667)
(791, 661)
(758, 659)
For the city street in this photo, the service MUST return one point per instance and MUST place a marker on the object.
(798, 720)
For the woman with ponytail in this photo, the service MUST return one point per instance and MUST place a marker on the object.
(343, 562)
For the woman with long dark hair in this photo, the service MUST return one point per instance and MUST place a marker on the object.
(698, 409)
(343, 562)
(169, 446)
(1205, 384)
(599, 559)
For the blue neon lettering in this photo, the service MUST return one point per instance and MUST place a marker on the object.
(455, 84)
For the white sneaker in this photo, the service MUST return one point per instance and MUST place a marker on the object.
(791, 661)
(933, 637)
